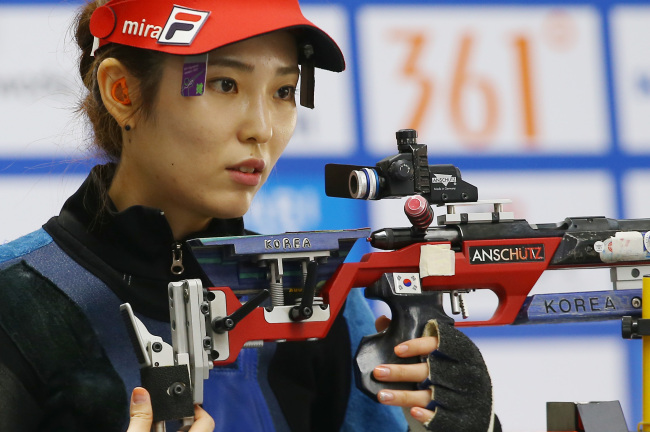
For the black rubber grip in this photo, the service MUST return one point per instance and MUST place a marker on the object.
(410, 313)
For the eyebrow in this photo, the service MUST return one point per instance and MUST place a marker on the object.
(246, 67)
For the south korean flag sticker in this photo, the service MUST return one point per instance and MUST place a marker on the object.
(407, 283)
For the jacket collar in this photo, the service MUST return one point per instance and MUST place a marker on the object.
(135, 246)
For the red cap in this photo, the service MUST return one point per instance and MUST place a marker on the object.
(190, 27)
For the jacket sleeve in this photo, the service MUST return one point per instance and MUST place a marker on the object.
(19, 406)
(58, 373)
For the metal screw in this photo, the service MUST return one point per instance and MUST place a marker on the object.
(636, 302)
(156, 346)
(176, 389)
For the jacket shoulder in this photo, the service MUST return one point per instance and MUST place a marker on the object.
(24, 245)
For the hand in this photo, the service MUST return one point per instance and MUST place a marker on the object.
(142, 414)
(415, 373)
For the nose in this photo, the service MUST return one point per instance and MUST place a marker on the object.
(257, 124)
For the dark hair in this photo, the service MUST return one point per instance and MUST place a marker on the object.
(144, 65)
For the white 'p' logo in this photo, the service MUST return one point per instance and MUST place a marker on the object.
(182, 26)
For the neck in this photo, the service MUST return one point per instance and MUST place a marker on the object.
(125, 195)
(183, 226)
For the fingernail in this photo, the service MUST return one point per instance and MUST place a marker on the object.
(381, 371)
(139, 396)
(417, 413)
(385, 396)
(401, 349)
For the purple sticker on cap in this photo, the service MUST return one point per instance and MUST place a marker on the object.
(194, 74)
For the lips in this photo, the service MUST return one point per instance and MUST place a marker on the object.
(248, 172)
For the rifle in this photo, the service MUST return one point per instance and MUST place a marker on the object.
(295, 284)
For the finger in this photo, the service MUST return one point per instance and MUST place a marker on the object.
(401, 373)
(382, 323)
(417, 347)
(414, 398)
(203, 421)
(422, 415)
(141, 411)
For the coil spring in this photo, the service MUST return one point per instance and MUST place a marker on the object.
(277, 294)
(254, 344)
(317, 301)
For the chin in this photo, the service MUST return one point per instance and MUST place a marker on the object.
(229, 205)
(231, 212)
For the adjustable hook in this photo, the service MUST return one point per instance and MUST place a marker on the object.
(306, 307)
(227, 323)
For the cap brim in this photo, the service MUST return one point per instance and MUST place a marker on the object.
(135, 23)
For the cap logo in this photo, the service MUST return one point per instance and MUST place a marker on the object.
(141, 29)
(182, 26)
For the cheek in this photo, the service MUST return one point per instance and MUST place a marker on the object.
(285, 131)
(278, 147)
(194, 139)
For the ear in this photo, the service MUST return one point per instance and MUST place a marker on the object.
(118, 90)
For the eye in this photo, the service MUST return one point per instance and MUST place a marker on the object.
(286, 93)
(224, 85)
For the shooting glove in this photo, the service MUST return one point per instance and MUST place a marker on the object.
(461, 389)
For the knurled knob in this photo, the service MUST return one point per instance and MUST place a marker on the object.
(406, 136)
